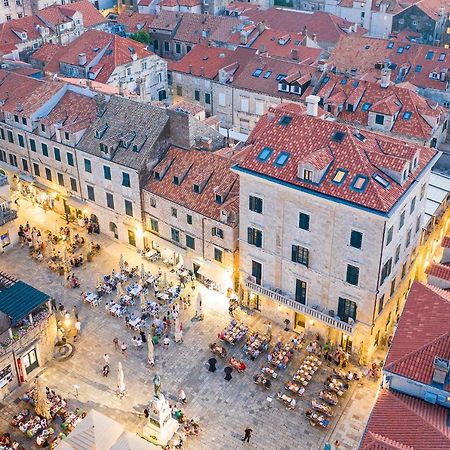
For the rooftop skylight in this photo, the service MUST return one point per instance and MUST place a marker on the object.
(265, 154)
(281, 159)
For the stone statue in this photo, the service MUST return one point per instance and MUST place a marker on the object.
(157, 385)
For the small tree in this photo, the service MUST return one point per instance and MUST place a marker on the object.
(142, 36)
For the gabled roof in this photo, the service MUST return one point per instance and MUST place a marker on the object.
(166, 20)
(134, 22)
(437, 270)
(20, 299)
(401, 422)
(203, 167)
(304, 135)
(422, 333)
(47, 53)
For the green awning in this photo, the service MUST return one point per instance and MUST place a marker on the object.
(21, 299)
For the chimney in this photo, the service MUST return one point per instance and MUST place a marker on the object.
(294, 54)
(312, 105)
(202, 71)
(261, 27)
(385, 77)
(82, 59)
(190, 68)
(243, 38)
(262, 48)
(270, 115)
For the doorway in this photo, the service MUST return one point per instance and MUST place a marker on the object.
(346, 343)
(113, 229)
(132, 238)
(299, 324)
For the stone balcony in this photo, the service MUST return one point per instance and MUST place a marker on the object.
(303, 309)
(7, 215)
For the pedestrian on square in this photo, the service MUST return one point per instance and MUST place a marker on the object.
(166, 343)
(248, 434)
(143, 336)
(123, 348)
(75, 312)
(77, 329)
(106, 358)
(337, 445)
(182, 396)
(116, 344)
(230, 310)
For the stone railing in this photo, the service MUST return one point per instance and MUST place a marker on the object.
(304, 309)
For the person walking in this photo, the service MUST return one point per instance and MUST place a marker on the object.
(106, 358)
(337, 445)
(123, 347)
(75, 312)
(116, 344)
(248, 434)
(182, 396)
(166, 343)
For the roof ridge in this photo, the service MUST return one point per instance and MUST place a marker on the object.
(419, 349)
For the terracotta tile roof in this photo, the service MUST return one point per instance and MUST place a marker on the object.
(327, 27)
(304, 135)
(206, 61)
(55, 15)
(185, 3)
(422, 334)
(10, 31)
(433, 8)
(25, 95)
(189, 107)
(358, 93)
(286, 45)
(47, 52)
(401, 422)
(202, 167)
(445, 242)
(439, 271)
(362, 54)
(196, 28)
(166, 20)
(133, 21)
(90, 42)
(74, 112)
(91, 15)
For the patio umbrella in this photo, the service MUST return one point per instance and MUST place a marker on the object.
(143, 301)
(120, 380)
(198, 308)
(41, 402)
(228, 371)
(150, 348)
(212, 364)
(50, 247)
(121, 261)
(142, 272)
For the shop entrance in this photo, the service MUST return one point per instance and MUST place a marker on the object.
(299, 323)
(346, 343)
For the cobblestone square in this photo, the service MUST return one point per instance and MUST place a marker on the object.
(224, 408)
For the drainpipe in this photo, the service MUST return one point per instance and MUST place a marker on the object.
(203, 237)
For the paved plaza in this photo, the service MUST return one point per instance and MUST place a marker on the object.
(224, 408)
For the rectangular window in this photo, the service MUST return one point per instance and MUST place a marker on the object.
(179, 91)
(254, 237)
(386, 271)
(16, 118)
(32, 145)
(197, 95)
(174, 212)
(352, 275)
(154, 225)
(90, 193)
(21, 140)
(175, 234)
(87, 165)
(390, 235)
(48, 174)
(13, 160)
(190, 242)
(397, 253)
(189, 219)
(177, 48)
(404, 269)
(257, 271)
(413, 205)
(307, 175)
(408, 238)
(356, 239)
(152, 202)
(2, 133)
(255, 204)
(218, 232)
(3, 155)
(303, 221)
(73, 184)
(70, 159)
(128, 208)
(300, 291)
(30, 361)
(36, 169)
(166, 46)
(44, 148)
(418, 224)
(57, 153)
(66, 135)
(392, 288)
(244, 104)
(25, 164)
(300, 255)
(208, 98)
(109, 200)
(126, 179)
(107, 172)
(379, 119)
(218, 254)
(10, 137)
(60, 179)
(422, 191)
(346, 310)
(402, 220)
(381, 304)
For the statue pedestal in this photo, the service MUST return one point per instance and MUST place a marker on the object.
(160, 427)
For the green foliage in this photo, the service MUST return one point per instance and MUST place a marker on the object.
(142, 36)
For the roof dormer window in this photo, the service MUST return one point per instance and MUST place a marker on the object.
(405, 174)
(340, 176)
(219, 199)
(157, 175)
(196, 188)
(176, 180)
(307, 175)
(407, 115)
(359, 183)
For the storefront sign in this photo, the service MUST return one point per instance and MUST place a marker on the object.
(6, 376)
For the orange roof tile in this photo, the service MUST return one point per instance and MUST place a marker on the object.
(439, 271)
(446, 242)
